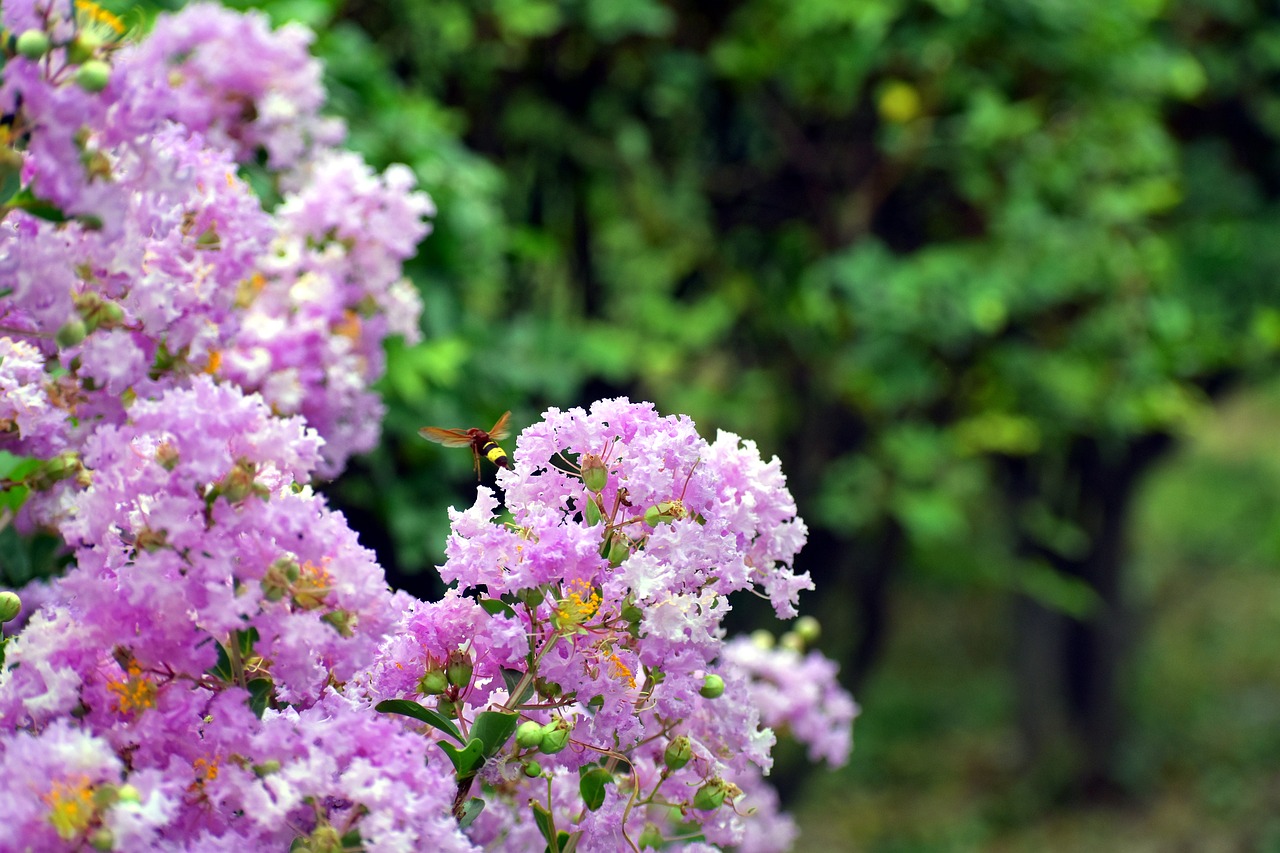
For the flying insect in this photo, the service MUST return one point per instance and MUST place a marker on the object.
(482, 443)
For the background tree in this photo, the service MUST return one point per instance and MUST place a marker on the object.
(970, 268)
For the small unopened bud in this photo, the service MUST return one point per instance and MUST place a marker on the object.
(678, 753)
(325, 839)
(711, 795)
(712, 687)
(594, 473)
(458, 669)
(529, 734)
(651, 837)
(342, 621)
(10, 606)
(82, 47)
(93, 75)
(33, 44)
(619, 550)
(791, 642)
(129, 794)
(532, 769)
(266, 768)
(433, 683)
(71, 333)
(102, 839)
(762, 639)
(555, 736)
(807, 628)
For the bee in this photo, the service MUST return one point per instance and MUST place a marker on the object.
(482, 443)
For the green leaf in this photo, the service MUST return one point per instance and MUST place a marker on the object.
(430, 716)
(494, 606)
(468, 760)
(494, 729)
(260, 695)
(17, 467)
(591, 786)
(546, 825)
(13, 499)
(470, 811)
(512, 678)
(37, 207)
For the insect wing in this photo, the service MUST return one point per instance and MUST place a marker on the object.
(502, 428)
(447, 437)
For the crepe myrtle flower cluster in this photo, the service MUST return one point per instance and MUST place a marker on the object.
(134, 255)
(222, 666)
(588, 624)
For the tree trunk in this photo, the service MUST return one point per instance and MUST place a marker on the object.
(1070, 670)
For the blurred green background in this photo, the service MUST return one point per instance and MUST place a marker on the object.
(999, 282)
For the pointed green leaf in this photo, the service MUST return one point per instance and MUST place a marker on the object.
(260, 693)
(591, 786)
(468, 760)
(430, 716)
(494, 606)
(494, 729)
(512, 679)
(470, 811)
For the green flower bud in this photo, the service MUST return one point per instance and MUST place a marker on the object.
(678, 753)
(433, 682)
(33, 44)
(791, 642)
(532, 769)
(458, 669)
(555, 736)
(325, 839)
(595, 476)
(266, 768)
(93, 75)
(549, 689)
(10, 606)
(82, 47)
(448, 707)
(762, 639)
(102, 839)
(619, 550)
(71, 333)
(714, 793)
(651, 836)
(529, 735)
(342, 621)
(712, 687)
(807, 628)
(129, 794)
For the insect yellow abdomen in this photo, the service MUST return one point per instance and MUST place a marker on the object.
(494, 454)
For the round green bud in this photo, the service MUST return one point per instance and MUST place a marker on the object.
(595, 476)
(807, 628)
(712, 687)
(651, 836)
(762, 639)
(433, 683)
(93, 75)
(710, 796)
(82, 47)
(529, 734)
(532, 769)
(458, 668)
(678, 753)
(555, 736)
(129, 794)
(71, 333)
(33, 44)
(102, 839)
(791, 642)
(10, 606)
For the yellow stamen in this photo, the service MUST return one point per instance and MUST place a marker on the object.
(70, 807)
(98, 15)
(134, 693)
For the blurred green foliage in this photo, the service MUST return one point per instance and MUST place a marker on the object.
(970, 267)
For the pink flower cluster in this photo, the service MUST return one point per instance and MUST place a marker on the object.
(223, 667)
